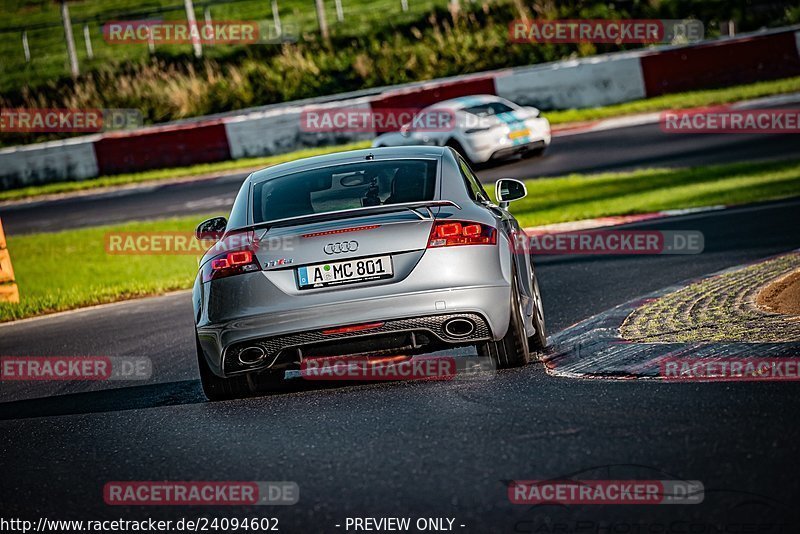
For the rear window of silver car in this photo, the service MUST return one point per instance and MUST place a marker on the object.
(342, 187)
(488, 109)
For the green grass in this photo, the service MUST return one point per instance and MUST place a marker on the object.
(692, 99)
(577, 196)
(48, 51)
(168, 174)
(70, 269)
(678, 101)
(376, 45)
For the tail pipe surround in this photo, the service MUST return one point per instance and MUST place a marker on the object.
(459, 327)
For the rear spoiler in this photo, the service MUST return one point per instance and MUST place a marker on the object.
(355, 212)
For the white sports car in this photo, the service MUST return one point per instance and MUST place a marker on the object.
(485, 128)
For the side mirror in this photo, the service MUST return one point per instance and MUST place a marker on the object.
(211, 229)
(533, 111)
(508, 190)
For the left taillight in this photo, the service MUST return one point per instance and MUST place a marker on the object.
(453, 233)
(230, 264)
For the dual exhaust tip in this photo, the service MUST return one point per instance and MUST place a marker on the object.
(252, 355)
(458, 327)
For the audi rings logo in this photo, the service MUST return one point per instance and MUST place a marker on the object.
(338, 248)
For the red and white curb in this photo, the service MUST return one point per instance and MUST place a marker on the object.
(642, 119)
(615, 220)
(613, 123)
(594, 347)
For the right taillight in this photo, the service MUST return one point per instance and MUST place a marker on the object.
(453, 233)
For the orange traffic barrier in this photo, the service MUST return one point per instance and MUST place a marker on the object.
(9, 292)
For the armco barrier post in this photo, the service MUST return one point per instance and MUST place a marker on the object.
(8, 288)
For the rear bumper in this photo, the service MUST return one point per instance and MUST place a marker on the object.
(487, 146)
(442, 281)
(517, 149)
(279, 335)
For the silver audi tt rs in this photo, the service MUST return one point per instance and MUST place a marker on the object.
(372, 252)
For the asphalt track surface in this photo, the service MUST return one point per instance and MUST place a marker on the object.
(610, 150)
(417, 449)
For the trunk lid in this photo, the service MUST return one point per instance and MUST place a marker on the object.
(342, 239)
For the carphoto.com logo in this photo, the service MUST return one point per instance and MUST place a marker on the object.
(602, 31)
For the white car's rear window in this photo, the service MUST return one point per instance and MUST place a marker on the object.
(488, 109)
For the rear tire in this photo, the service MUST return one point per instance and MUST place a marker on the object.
(538, 341)
(216, 388)
(512, 350)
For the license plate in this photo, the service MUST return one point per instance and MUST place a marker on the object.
(519, 133)
(344, 272)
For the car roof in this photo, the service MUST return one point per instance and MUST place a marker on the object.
(469, 101)
(349, 156)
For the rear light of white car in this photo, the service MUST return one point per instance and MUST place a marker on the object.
(230, 264)
(453, 233)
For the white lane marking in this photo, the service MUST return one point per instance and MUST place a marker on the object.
(137, 301)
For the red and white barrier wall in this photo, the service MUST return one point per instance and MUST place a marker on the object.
(583, 83)
(721, 63)
(54, 161)
(278, 131)
(587, 82)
